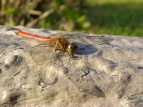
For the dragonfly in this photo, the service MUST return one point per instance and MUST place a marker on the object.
(59, 42)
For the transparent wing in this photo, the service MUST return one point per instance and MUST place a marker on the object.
(59, 42)
(35, 61)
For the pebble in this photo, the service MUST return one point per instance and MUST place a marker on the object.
(25, 86)
(14, 59)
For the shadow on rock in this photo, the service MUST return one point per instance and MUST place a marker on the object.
(85, 49)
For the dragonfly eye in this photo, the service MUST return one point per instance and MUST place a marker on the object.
(72, 48)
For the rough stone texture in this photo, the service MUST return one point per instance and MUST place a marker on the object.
(107, 71)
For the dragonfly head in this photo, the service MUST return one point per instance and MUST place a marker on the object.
(72, 48)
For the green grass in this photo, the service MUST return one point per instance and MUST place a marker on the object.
(112, 17)
(116, 17)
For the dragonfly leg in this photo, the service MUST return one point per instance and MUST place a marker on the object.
(58, 53)
(71, 55)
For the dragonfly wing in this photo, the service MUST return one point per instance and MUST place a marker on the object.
(34, 61)
(60, 42)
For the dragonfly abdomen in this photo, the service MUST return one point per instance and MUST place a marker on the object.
(32, 36)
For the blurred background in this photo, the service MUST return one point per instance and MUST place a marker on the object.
(113, 17)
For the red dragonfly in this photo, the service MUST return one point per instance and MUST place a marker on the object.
(59, 42)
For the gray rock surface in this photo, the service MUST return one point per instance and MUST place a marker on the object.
(107, 71)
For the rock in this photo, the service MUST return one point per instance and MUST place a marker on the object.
(106, 71)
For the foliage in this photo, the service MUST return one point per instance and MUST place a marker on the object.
(54, 14)
(113, 17)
